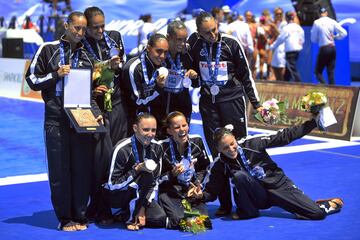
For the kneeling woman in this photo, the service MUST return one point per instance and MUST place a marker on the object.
(185, 164)
(135, 166)
(258, 182)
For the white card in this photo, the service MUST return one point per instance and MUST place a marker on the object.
(327, 117)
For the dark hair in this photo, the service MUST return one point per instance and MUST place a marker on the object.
(12, 23)
(167, 121)
(27, 22)
(171, 116)
(143, 115)
(290, 15)
(219, 133)
(74, 14)
(155, 38)
(175, 25)
(278, 8)
(215, 11)
(202, 17)
(90, 12)
(145, 17)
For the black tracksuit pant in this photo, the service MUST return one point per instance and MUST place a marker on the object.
(250, 196)
(291, 72)
(326, 58)
(155, 215)
(175, 210)
(116, 126)
(69, 168)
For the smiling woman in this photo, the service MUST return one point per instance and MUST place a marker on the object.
(184, 168)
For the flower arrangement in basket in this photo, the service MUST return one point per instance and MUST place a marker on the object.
(272, 111)
(193, 221)
(103, 75)
(314, 101)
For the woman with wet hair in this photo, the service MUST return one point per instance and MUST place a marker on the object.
(185, 164)
(144, 81)
(257, 180)
(135, 167)
(105, 46)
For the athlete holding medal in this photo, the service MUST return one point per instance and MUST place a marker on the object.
(179, 63)
(105, 46)
(225, 78)
(144, 78)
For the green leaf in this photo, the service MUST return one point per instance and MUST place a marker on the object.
(258, 117)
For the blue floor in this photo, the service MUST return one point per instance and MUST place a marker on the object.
(26, 210)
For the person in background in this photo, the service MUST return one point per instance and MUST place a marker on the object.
(258, 182)
(105, 46)
(146, 30)
(278, 61)
(184, 168)
(250, 20)
(135, 166)
(13, 23)
(68, 154)
(293, 37)
(219, 16)
(324, 31)
(241, 31)
(28, 24)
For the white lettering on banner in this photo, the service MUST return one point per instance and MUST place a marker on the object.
(222, 72)
(11, 75)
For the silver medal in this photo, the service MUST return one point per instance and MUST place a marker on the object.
(186, 82)
(214, 90)
(114, 52)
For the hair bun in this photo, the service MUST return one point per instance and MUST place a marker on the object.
(229, 127)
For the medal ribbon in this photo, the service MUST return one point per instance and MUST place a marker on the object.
(213, 74)
(246, 162)
(135, 150)
(146, 78)
(188, 172)
(74, 63)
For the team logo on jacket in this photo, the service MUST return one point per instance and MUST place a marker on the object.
(81, 64)
(202, 52)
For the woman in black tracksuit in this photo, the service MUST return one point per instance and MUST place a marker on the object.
(225, 80)
(69, 159)
(257, 181)
(132, 180)
(185, 165)
(142, 81)
(179, 63)
(105, 46)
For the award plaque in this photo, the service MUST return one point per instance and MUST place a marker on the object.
(77, 101)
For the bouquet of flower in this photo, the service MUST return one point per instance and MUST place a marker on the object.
(313, 101)
(316, 102)
(272, 111)
(103, 75)
(193, 221)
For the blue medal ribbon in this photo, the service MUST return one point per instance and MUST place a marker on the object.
(74, 63)
(213, 74)
(148, 82)
(257, 171)
(135, 150)
(186, 176)
(178, 68)
(110, 43)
